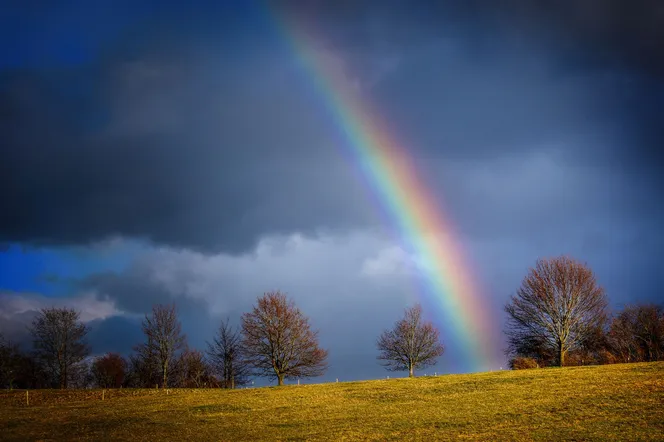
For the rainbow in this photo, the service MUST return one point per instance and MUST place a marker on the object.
(390, 172)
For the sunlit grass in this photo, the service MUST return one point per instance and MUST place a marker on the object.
(615, 402)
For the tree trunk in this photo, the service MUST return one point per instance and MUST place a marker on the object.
(561, 354)
(232, 382)
(165, 375)
(280, 379)
(411, 371)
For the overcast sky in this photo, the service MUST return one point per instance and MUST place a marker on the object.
(152, 152)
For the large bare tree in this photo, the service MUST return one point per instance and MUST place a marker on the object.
(59, 343)
(225, 354)
(164, 339)
(558, 306)
(279, 342)
(411, 344)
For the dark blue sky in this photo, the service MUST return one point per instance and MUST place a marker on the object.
(156, 152)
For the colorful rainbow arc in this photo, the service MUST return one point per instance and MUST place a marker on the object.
(393, 178)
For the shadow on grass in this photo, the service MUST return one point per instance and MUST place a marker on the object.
(218, 409)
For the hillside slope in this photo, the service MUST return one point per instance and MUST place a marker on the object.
(615, 402)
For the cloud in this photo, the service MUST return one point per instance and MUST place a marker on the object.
(206, 137)
(192, 156)
(117, 334)
(89, 305)
(110, 330)
(227, 283)
(17, 310)
(389, 261)
(345, 283)
(595, 32)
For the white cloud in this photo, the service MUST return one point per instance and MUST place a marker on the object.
(389, 261)
(318, 272)
(88, 304)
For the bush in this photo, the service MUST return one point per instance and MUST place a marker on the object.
(520, 363)
(606, 357)
(576, 359)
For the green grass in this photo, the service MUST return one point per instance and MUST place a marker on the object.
(613, 402)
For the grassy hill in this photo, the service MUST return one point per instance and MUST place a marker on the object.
(615, 402)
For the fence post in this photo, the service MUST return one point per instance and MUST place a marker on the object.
(27, 398)
(102, 394)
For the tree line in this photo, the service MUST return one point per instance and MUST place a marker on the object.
(558, 316)
(275, 340)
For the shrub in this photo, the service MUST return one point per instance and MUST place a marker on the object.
(606, 357)
(576, 359)
(520, 363)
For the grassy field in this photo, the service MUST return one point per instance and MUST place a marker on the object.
(615, 402)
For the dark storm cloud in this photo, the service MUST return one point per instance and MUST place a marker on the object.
(194, 128)
(179, 162)
(15, 328)
(136, 292)
(516, 72)
(117, 334)
(584, 32)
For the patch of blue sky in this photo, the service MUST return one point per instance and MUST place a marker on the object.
(49, 271)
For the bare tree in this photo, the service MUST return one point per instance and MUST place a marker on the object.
(10, 363)
(649, 331)
(278, 340)
(109, 371)
(558, 306)
(19, 369)
(144, 371)
(225, 353)
(621, 339)
(59, 343)
(411, 344)
(637, 333)
(191, 370)
(164, 338)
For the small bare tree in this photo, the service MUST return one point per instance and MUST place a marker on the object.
(278, 340)
(144, 371)
(164, 338)
(59, 343)
(109, 371)
(412, 343)
(192, 370)
(10, 363)
(225, 353)
(637, 333)
(558, 306)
